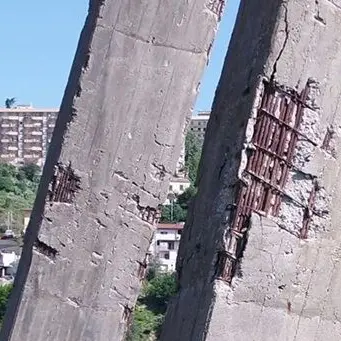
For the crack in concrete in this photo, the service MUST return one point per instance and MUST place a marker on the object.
(144, 190)
(317, 15)
(306, 294)
(332, 2)
(154, 42)
(121, 175)
(162, 144)
(100, 223)
(286, 30)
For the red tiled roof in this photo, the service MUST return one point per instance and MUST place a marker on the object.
(177, 226)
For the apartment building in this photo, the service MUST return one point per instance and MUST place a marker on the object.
(165, 245)
(25, 134)
(199, 123)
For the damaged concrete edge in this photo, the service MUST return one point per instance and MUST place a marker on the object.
(45, 250)
(148, 214)
(264, 170)
(249, 131)
(64, 185)
(223, 268)
(216, 7)
(65, 116)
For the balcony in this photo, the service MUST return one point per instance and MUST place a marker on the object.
(170, 236)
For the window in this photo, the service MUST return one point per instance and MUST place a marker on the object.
(166, 255)
(170, 187)
(170, 245)
(181, 187)
(158, 243)
(179, 231)
(164, 232)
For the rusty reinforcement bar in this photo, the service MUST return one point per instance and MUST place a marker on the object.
(276, 133)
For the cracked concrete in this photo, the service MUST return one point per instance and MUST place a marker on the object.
(287, 278)
(117, 139)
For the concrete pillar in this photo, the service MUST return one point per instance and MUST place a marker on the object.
(260, 254)
(114, 148)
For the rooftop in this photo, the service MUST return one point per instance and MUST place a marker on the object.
(27, 109)
(9, 245)
(176, 226)
(200, 117)
(180, 180)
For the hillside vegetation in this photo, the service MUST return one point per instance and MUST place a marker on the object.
(18, 187)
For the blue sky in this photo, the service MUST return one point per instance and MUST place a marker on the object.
(39, 39)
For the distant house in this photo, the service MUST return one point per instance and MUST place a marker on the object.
(199, 123)
(177, 186)
(165, 245)
(10, 252)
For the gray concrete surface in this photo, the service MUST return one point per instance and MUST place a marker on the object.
(118, 136)
(287, 286)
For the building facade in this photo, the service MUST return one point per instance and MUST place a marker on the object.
(25, 134)
(165, 245)
(177, 186)
(199, 123)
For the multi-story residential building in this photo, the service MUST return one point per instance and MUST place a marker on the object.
(25, 134)
(199, 123)
(165, 245)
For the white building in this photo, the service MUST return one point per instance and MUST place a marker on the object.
(165, 245)
(176, 187)
(199, 123)
(9, 257)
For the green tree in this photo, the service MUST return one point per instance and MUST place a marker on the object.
(186, 197)
(151, 307)
(192, 156)
(17, 192)
(9, 102)
(145, 325)
(31, 172)
(158, 291)
(6, 184)
(5, 291)
(7, 170)
(173, 213)
(177, 211)
(153, 269)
